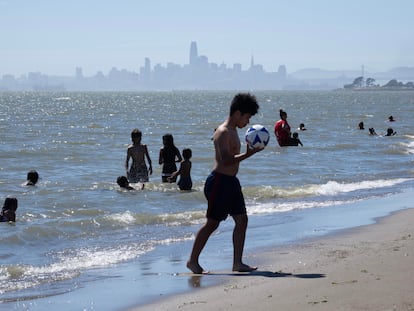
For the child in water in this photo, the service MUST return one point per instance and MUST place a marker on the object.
(295, 139)
(390, 132)
(123, 182)
(169, 155)
(8, 212)
(32, 178)
(185, 182)
(137, 151)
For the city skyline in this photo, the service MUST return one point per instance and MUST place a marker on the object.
(147, 66)
(197, 74)
(54, 37)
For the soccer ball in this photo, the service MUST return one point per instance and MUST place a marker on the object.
(257, 136)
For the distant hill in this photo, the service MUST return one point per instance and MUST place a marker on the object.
(398, 73)
(322, 74)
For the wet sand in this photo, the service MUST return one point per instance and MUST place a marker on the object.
(365, 268)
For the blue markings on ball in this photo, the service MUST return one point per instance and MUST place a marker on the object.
(257, 136)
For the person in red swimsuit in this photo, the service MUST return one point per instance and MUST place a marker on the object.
(282, 130)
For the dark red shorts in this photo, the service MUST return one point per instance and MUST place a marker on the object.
(224, 196)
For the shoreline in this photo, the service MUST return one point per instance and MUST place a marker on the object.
(370, 267)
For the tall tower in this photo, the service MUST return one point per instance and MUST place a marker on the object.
(193, 53)
(79, 74)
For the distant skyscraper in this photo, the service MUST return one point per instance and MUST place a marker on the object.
(193, 54)
(146, 71)
(147, 64)
(79, 74)
(282, 71)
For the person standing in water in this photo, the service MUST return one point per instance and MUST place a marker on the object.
(185, 182)
(295, 139)
(169, 156)
(222, 188)
(138, 152)
(282, 130)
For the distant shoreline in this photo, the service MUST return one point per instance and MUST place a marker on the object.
(376, 89)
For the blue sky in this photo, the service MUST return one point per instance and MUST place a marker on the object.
(54, 37)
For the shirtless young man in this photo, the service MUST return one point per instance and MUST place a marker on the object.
(222, 188)
(137, 151)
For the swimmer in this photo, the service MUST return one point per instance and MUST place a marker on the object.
(32, 178)
(8, 212)
(390, 132)
(123, 182)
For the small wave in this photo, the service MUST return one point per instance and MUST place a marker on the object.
(71, 263)
(269, 208)
(409, 147)
(334, 188)
(171, 219)
(329, 189)
(62, 98)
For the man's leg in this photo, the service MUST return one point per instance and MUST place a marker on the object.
(200, 241)
(239, 236)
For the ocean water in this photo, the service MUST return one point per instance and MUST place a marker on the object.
(76, 229)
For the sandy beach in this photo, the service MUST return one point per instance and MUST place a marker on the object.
(366, 268)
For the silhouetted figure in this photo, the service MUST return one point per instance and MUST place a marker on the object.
(185, 182)
(169, 156)
(295, 139)
(123, 182)
(372, 131)
(361, 125)
(390, 132)
(138, 172)
(8, 211)
(32, 178)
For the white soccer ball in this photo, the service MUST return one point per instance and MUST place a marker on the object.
(257, 136)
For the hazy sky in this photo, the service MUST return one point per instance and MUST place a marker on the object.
(55, 36)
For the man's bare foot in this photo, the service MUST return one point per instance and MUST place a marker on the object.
(196, 268)
(243, 268)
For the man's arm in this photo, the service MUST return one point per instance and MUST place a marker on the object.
(228, 149)
(127, 159)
